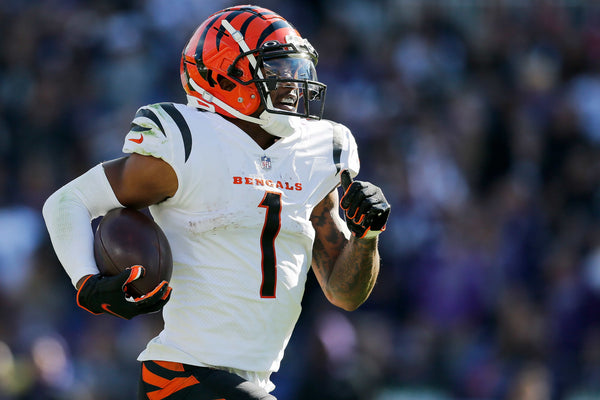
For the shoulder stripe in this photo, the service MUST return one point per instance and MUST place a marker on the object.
(147, 113)
(137, 128)
(186, 134)
(338, 144)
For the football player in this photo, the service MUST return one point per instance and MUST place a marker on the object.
(243, 180)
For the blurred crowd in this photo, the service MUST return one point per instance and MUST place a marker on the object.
(480, 120)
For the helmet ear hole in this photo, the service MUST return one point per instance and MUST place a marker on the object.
(225, 83)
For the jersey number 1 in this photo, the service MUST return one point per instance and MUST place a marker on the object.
(272, 202)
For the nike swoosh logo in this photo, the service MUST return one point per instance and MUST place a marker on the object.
(138, 141)
(106, 307)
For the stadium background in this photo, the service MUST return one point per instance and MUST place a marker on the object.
(479, 119)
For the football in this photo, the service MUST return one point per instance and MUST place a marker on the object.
(126, 237)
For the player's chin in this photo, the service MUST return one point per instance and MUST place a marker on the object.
(285, 107)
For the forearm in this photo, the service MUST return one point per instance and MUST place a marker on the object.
(345, 264)
(68, 213)
(68, 223)
(354, 274)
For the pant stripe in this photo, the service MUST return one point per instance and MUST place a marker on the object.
(167, 386)
(170, 365)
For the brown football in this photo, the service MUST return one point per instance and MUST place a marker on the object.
(127, 237)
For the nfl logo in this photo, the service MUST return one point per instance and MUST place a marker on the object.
(265, 162)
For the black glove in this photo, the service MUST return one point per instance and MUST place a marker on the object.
(366, 209)
(106, 294)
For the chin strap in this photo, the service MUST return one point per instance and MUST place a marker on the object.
(278, 124)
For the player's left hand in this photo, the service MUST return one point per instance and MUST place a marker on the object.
(366, 209)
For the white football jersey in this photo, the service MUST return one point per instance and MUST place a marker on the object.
(239, 230)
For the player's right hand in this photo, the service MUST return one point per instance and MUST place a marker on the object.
(106, 294)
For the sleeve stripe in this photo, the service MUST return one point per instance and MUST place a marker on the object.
(137, 128)
(338, 143)
(182, 125)
(146, 113)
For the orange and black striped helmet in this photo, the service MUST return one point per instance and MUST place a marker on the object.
(239, 54)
